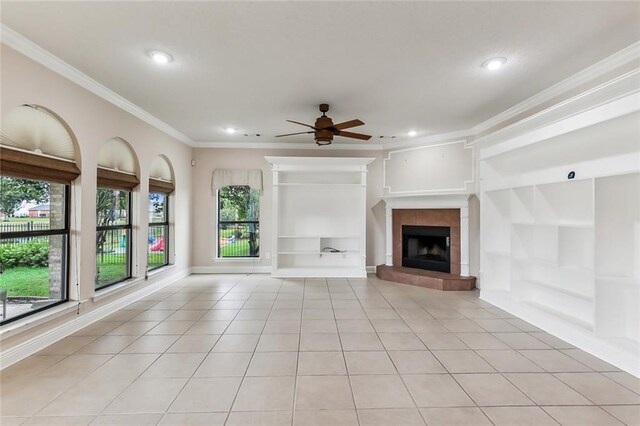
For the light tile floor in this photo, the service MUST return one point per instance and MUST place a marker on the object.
(245, 350)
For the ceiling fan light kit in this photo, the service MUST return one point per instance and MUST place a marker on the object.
(324, 130)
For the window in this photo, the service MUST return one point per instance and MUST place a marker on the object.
(238, 222)
(113, 236)
(158, 243)
(34, 246)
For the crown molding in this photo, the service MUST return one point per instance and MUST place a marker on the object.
(604, 94)
(425, 141)
(618, 107)
(288, 145)
(608, 64)
(28, 48)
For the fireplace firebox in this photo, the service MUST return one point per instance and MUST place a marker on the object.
(426, 247)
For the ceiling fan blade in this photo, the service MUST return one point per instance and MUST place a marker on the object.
(348, 124)
(354, 135)
(291, 134)
(302, 124)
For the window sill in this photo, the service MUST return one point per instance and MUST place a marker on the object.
(161, 269)
(35, 320)
(115, 289)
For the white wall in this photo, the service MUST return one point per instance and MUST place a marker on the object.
(446, 167)
(204, 211)
(94, 121)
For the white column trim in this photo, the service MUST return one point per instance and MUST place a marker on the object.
(389, 236)
(464, 241)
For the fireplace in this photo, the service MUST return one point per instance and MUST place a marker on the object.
(416, 224)
(426, 247)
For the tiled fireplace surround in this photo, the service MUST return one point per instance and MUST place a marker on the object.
(428, 217)
(429, 210)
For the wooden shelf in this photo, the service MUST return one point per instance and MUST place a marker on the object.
(587, 326)
(560, 290)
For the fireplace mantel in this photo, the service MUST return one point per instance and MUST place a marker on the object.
(439, 201)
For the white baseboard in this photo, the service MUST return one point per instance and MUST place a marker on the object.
(578, 337)
(37, 343)
(244, 269)
(231, 269)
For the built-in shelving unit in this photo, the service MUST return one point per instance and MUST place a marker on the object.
(319, 216)
(566, 252)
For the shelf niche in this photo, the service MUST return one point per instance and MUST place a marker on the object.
(319, 203)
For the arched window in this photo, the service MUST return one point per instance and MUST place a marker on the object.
(117, 177)
(161, 185)
(38, 155)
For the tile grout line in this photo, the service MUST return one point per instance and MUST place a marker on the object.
(344, 358)
(244, 376)
(112, 357)
(415, 405)
(207, 353)
(513, 384)
(446, 369)
(183, 334)
(165, 352)
(295, 383)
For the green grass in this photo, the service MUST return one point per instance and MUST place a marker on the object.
(34, 282)
(155, 259)
(239, 248)
(25, 281)
(225, 233)
(111, 272)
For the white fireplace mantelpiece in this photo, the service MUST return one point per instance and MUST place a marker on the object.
(442, 201)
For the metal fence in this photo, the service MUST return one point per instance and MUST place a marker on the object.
(23, 226)
(238, 239)
(112, 256)
(157, 246)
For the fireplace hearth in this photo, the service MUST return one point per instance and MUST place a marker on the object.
(426, 247)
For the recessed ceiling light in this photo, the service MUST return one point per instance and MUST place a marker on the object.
(412, 133)
(160, 57)
(230, 130)
(494, 63)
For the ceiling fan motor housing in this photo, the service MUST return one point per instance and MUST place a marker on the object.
(324, 133)
(323, 136)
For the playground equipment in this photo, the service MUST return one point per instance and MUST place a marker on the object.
(158, 244)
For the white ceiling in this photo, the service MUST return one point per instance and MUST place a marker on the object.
(397, 66)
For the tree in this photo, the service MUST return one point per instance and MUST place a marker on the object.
(238, 202)
(157, 202)
(110, 204)
(14, 191)
(241, 203)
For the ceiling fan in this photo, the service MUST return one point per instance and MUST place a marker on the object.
(324, 130)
